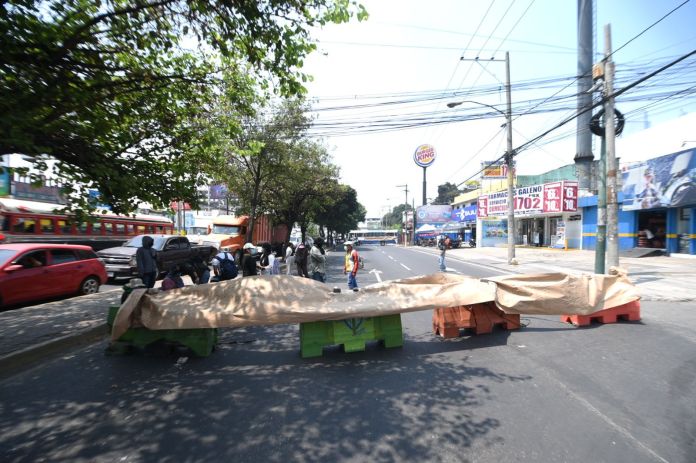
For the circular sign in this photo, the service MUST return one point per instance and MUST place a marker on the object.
(424, 155)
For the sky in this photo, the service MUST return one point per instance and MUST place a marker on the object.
(409, 51)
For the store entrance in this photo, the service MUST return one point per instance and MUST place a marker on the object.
(652, 226)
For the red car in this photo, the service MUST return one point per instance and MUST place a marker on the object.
(35, 271)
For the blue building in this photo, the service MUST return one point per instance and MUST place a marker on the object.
(657, 205)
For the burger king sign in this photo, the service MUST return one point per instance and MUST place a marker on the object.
(424, 155)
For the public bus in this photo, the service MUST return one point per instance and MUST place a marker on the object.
(36, 222)
(380, 237)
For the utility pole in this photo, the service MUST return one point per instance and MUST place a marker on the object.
(406, 190)
(509, 162)
(600, 246)
(610, 128)
(509, 154)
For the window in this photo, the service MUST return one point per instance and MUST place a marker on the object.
(32, 259)
(82, 228)
(46, 226)
(140, 230)
(120, 229)
(24, 225)
(65, 227)
(62, 256)
(84, 254)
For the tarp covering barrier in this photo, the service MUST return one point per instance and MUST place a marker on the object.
(284, 299)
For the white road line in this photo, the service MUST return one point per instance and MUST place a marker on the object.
(406, 267)
(391, 257)
(467, 262)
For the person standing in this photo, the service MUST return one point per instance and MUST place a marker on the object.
(442, 246)
(317, 260)
(224, 266)
(301, 260)
(146, 259)
(248, 261)
(352, 263)
(289, 258)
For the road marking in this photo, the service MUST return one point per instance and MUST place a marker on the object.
(391, 257)
(487, 267)
(377, 274)
(406, 267)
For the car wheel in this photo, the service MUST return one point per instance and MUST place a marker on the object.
(89, 286)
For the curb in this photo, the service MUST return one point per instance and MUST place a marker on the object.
(26, 358)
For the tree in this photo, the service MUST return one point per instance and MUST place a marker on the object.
(260, 155)
(343, 213)
(394, 219)
(308, 182)
(446, 193)
(115, 91)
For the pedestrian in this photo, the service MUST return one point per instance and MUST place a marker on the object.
(351, 265)
(224, 265)
(442, 246)
(146, 259)
(289, 258)
(301, 260)
(201, 271)
(249, 260)
(172, 279)
(269, 263)
(317, 260)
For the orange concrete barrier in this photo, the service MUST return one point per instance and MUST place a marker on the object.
(480, 318)
(630, 312)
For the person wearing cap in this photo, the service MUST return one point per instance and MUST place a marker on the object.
(248, 260)
(301, 260)
(317, 260)
(224, 253)
(352, 263)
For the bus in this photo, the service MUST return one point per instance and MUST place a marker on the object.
(36, 222)
(380, 237)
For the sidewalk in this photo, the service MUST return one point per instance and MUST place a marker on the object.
(660, 278)
(30, 334)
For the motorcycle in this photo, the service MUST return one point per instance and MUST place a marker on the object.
(472, 243)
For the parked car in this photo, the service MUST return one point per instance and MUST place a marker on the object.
(34, 271)
(172, 250)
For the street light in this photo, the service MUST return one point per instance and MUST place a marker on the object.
(508, 162)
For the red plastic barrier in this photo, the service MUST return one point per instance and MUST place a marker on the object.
(630, 312)
(480, 318)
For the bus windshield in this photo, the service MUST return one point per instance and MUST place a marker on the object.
(226, 229)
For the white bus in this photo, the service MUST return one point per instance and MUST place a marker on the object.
(380, 237)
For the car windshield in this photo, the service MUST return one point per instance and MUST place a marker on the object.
(137, 242)
(226, 229)
(5, 255)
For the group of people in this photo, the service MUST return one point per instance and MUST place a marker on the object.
(309, 262)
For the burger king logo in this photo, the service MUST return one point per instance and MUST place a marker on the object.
(424, 155)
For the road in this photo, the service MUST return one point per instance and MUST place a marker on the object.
(548, 392)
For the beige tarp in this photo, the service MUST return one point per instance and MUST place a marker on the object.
(278, 299)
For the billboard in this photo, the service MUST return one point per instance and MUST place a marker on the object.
(433, 214)
(531, 200)
(667, 181)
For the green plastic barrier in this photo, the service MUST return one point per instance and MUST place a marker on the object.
(353, 333)
(201, 341)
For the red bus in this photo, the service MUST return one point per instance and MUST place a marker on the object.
(35, 222)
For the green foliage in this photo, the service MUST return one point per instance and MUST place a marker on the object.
(394, 219)
(121, 92)
(446, 193)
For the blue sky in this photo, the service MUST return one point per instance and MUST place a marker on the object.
(409, 51)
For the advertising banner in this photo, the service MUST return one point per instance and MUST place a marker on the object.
(532, 200)
(465, 215)
(489, 170)
(433, 214)
(482, 206)
(4, 182)
(494, 232)
(667, 181)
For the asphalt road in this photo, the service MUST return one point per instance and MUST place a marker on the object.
(548, 392)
